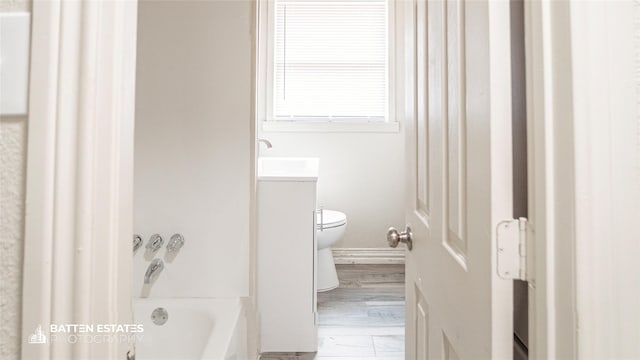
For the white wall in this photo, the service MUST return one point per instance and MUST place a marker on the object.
(361, 174)
(13, 155)
(193, 142)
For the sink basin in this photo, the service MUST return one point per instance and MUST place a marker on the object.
(288, 169)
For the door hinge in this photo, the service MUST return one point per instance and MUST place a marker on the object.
(511, 241)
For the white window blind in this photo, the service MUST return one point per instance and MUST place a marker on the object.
(330, 60)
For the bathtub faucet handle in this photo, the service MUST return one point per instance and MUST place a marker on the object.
(155, 243)
(137, 242)
(175, 243)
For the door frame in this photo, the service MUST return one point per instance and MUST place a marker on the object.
(584, 171)
(79, 187)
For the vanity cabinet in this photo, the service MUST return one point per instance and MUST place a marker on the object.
(286, 257)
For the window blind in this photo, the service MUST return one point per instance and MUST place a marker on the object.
(330, 60)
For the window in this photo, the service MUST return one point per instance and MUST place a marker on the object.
(328, 61)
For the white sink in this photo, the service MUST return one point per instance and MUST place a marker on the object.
(288, 169)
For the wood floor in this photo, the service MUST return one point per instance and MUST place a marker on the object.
(363, 319)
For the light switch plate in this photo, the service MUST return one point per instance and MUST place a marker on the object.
(15, 38)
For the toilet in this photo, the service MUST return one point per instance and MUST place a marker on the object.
(330, 228)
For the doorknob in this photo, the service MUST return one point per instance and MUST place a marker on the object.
(394, 237)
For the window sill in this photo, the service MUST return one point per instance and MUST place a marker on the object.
(330, 127)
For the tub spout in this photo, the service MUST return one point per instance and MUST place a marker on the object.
(153, 270)
(266, 142)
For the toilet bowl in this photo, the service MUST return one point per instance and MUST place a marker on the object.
(330, 228)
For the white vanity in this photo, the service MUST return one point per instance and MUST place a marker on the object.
(286, 259)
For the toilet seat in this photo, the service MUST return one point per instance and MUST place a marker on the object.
(330, 219)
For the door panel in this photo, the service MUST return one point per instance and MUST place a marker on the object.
(458, 179)
(422, 326)
(422, 125)
(455, 123)
(449, 351)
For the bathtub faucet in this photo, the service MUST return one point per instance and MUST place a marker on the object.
(153, 270)
(266, 142)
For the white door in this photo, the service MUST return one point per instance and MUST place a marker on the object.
(458, 180)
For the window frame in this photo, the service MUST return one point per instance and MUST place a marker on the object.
(266, 86)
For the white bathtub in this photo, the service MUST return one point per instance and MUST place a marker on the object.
(196, 329)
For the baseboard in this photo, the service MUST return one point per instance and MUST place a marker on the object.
(368, 256)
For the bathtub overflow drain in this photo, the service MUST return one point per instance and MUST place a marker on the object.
(159, 316)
